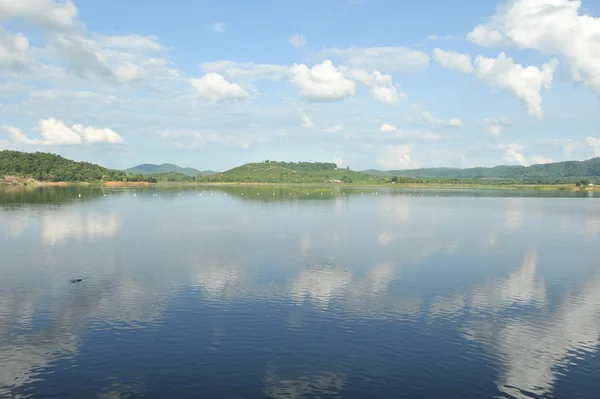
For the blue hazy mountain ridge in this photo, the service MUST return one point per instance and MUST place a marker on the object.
(151, 169)
(567, 169)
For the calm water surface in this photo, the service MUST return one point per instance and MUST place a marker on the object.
(289, 293)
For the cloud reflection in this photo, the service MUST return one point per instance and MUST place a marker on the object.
(60, 226)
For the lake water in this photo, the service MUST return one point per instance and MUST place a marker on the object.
(305, 292)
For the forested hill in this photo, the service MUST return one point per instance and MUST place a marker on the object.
(290, 172)
(51, 167)
(558, 170)
(151, 169)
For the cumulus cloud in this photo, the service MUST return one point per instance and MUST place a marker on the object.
(13, 50)
(297, 40)
(396, 156)
(380, 85)
(502, 72)
(214, 87)
(453, 60)
(46, 14)
(384, 59)
(322, 82)
(220, 27)
(595, 144)
(496, 125)
(540, 159)
(56, 132)
(554, 27)
(306, 122)
(513, 153)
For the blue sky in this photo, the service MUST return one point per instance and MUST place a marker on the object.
(367, 84)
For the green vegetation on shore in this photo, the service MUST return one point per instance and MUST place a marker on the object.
(551, 173)
(166, 168)
(290, 172)
(47, 167)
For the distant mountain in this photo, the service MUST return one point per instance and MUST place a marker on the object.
(151, 169)
(557, 170)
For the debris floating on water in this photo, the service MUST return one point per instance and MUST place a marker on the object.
(76, 280)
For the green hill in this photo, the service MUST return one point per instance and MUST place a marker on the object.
(151, 169)
(43, 166)
(561, 171)
(290, 172)
(51, 167)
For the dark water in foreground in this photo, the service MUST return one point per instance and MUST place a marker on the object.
(420, 294)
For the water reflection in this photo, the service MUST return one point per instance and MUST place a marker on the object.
(60, 226)
(313, 385)
(390, 272)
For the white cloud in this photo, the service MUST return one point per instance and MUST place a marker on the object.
(246, 70)
(387, 95)
(90, 59)
(524, 82)
(513, 153)
(322, 82)
(409, 134)
(388, 128)
(297, 40)
(380, 86)
(455, 122)
(396, 156)
(214, 87)
(550, 26)
(98, 135)
(333, 129)
(384, 59)
(56, 132)
(133, 43)
(540, 159)
(453, 60)
(422, 114)
(220, 27)
(502, 72)
(306, 122)
(14, 50)
(496, 125)
(595, 144)
(46, 14)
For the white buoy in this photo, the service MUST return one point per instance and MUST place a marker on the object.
(79, 195)
(133, 195)
(200, 195)
(306, 193)
(242, 193)
(321, 193)
(211, 194)
(179, 195)
(258, 194)
(273, 193)
(226, 194)
(290, 193)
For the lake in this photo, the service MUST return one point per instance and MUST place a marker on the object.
(274, 292)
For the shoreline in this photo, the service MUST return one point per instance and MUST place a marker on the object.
(529, 187)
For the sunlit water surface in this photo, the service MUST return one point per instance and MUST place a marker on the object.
(305, 292)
